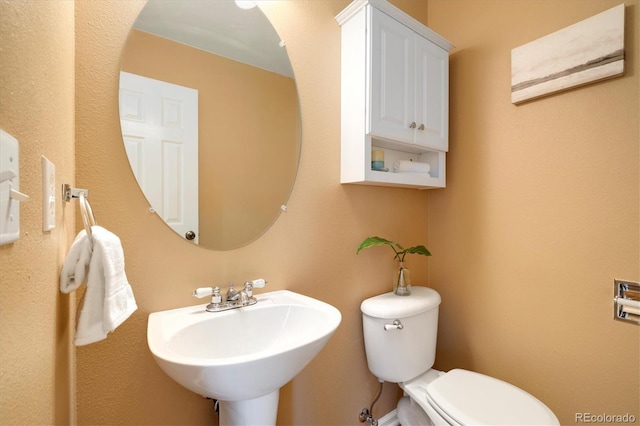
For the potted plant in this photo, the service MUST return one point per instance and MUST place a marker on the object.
(402, 275)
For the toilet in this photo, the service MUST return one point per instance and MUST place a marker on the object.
(400, 343)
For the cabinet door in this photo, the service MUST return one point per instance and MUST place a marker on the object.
(391, 100)
(432, 95)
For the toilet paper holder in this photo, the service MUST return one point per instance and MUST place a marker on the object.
(626, 301)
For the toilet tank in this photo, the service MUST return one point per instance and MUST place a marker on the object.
(397, 355)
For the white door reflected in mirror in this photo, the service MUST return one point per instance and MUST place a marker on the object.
(160, 131)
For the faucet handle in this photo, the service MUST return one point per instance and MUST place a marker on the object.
(216, 297)
(250, 285)
(203, 292)
(259, 283)
(248, 289)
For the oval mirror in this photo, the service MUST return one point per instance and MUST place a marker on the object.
(210, 118)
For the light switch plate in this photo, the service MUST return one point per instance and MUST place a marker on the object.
(10, 171)
(48, 195)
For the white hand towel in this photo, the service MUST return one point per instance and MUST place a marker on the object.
(406, 166)
(109, 299)
(76, 264)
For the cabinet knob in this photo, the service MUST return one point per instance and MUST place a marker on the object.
(412, 125)
(421, 128)
(190, 235)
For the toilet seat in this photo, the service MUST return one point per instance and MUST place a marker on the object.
(464, 397)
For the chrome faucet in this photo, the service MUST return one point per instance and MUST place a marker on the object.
(232, 295)
(233, 299)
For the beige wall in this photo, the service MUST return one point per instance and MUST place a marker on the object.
(37, 364)
(540, 214)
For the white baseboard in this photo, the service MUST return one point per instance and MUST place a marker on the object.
(389, 419)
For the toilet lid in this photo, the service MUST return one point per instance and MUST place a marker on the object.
(475, 399)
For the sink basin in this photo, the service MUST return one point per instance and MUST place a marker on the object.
(243, 356)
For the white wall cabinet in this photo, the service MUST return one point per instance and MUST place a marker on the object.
(409, 85)
(395, 86)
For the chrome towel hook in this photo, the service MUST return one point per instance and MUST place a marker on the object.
(86, 212)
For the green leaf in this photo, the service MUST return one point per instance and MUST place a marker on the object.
(400, 252)
(418, 250)
(375, 241)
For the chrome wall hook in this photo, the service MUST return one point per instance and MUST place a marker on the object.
(88, 218)
(68, 192)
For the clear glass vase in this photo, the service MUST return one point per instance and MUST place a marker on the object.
(402, 280)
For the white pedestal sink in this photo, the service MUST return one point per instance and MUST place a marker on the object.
(242, 357)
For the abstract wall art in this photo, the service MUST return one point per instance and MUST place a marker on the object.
(585, 52)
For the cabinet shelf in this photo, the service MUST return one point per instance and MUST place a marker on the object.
(356, 164)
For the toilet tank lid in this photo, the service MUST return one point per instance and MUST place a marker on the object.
(390, 305)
